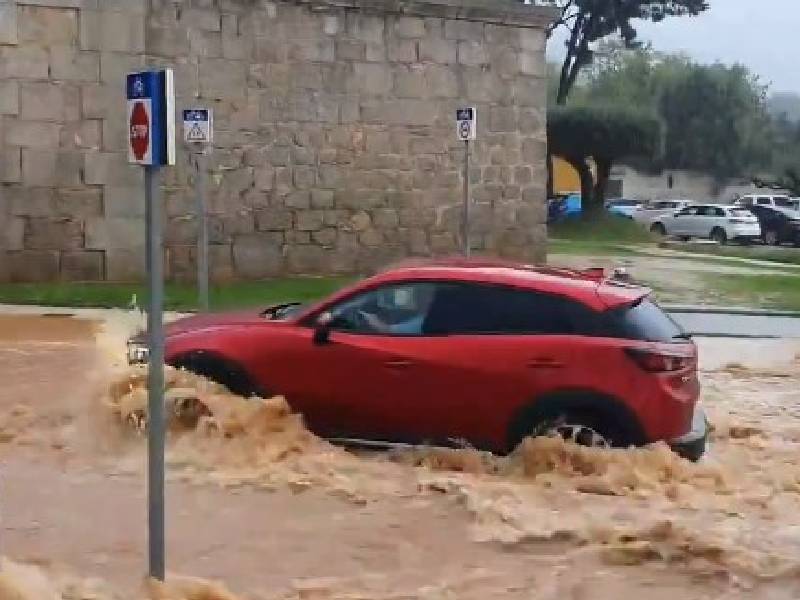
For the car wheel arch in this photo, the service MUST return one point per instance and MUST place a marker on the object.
(220, 369)
(584, 401)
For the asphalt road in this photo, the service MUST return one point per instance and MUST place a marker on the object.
(739, 326)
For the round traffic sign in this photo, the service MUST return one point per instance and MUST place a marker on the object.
(139, 130)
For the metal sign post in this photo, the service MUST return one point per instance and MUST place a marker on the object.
(151, 127)
(198, 131)
(466, 130)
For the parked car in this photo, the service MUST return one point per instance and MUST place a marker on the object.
(651, 211)
(778, 225)
(563, 206)
(714, 221)
(477, 350)
(773, 200)
(622, 207)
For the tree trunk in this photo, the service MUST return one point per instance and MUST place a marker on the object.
(550, 176)
(603, 175)
(587, 182)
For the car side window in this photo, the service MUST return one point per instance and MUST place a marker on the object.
(688, 211)
(718, 212)
(763, 201)
(395, 309)
(479, 309)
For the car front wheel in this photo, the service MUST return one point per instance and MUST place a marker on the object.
(771, 238)
(718, 235)
(658, 229)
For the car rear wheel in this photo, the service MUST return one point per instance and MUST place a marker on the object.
(771, 238)
(658, 229)
(718, 235)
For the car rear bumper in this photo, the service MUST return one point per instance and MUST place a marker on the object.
(692, 445)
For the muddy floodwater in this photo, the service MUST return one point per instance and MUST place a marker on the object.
(263, 507)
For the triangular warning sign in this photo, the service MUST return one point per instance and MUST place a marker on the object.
(196, 133)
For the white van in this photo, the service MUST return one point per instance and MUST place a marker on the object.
(772, 200)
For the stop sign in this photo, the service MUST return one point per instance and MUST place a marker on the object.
(139, 130)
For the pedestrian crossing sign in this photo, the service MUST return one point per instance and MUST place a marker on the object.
(198, 125)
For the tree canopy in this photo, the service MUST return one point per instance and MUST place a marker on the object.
(587, 21)
(605, 134)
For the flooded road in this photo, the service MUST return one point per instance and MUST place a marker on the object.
(258, 502)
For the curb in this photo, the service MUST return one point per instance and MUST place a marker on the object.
(729, 310)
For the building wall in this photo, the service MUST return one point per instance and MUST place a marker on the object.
(335, 144)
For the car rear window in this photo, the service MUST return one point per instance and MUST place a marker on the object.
(643, 321)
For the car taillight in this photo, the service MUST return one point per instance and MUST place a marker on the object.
(661, 360)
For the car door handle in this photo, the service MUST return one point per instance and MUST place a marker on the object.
(544, 363)
(398, 364)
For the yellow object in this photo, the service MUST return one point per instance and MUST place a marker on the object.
(565, 177)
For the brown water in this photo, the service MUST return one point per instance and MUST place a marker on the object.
(256, 500)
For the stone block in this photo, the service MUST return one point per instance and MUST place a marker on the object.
(46, 101)
(32, 134)
(205, 43)
(350, 50)
(402, 51)
(236, 45)
(115, 65)
(442, 81)
(457, 29)
(47, 26)
(371, 79)
(533, 40)
(12, 232)
(472, 53)
(125, 265)
(38, 167)
(309, 220)
(115, 135)
(24, 62)
(322, 199)
(367, 28)
(60, 233)
(9, 98)
(68, 64)
(306, 259)
(532, 63)
(32, 266)
(294, 236)
(298, 199)
(411, 83)
(437, 50)
(123, 201)
(274, 219)
(314, 50)
(325, 237)
(222, 79)
(8, 23)
(304, 177)
(200, 18)
(78, 202)
(84, 135)
(502, 119)
(105, 233)
(220, 260)
(534, 151)
(399, 112)
(409, 27)
(11, 165)
(386, 218)
(111, 168)
(82, 265)
(257, 256)
(169, 42)
(484, 86)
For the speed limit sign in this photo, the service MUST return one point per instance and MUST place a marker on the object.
(466, 123)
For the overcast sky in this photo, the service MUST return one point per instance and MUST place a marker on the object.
(761, 34)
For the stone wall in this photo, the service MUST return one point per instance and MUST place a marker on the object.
(335, 148)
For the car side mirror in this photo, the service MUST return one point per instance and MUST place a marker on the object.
(322, 329)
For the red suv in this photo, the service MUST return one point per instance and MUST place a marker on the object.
(463, 351)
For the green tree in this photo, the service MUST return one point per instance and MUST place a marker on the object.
(588, 21)
(605, 134)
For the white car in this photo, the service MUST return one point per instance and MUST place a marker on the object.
(650, 212)
(714, 221)
(771, 200)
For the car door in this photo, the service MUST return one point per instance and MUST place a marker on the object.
(347, 386)
(682, 222)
